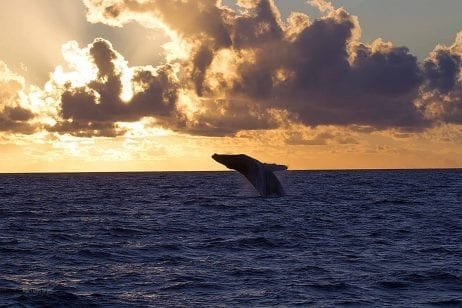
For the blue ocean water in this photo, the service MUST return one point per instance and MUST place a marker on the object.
(340, 238)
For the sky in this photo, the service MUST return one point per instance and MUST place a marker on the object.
(150, 85)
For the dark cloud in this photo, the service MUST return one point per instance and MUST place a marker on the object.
(227, 117)
(442, 70)
(13, 117)
(95, 108)
(17, 114)
(103, 56)
(442, 91)
(88, 129)
(317, 73)
(194, 21)
(325, 86)
(201, 61)
(15, 120)
(260, 25)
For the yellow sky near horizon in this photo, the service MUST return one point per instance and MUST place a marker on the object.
(177, 152)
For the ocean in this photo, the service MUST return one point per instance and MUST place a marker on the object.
(197, 239)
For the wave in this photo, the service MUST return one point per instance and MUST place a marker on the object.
(241, 243)
(121, 231)
(196, 244)
(446, 303)
(38, 297)
(331, 287)
(391, 201)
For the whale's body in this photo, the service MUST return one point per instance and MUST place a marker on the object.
(259, 174)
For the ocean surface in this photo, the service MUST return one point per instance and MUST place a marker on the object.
(339, 238)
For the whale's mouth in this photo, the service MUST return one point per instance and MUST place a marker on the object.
(222, 159)
(217, 158)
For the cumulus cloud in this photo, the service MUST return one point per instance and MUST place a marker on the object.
(113, 93)
(96, 106)
(14, 117)
(442, 92)
(313, 77)
(322, 5)
(228, 71)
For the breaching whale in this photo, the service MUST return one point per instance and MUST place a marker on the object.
(259, 174)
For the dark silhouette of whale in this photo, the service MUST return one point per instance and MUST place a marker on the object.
(259, 174)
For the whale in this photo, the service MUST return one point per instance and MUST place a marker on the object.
(260, 175)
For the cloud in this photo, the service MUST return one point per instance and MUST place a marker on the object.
(322, 5)
(442, 92)
(232, 70)
(95, 107)
(323, 75)
(95, 104)
(442, 70)
(14, 117)
(223, 117)
(321, 136)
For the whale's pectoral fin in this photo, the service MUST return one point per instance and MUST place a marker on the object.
(275, 167)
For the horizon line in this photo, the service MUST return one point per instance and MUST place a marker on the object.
(229, 170)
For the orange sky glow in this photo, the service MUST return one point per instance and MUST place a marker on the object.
(224, 80)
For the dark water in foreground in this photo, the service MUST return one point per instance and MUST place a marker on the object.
(196, 239)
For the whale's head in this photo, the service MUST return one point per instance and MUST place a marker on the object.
(231, 161)
(220, 158)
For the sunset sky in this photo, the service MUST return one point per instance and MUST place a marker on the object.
(153, 85)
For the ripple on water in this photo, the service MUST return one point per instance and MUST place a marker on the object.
(363, 238)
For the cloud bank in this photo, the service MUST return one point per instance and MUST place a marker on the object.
(229, 70)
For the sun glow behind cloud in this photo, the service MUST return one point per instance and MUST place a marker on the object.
(82, 70)
(211, 94)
